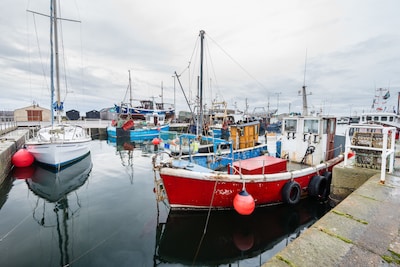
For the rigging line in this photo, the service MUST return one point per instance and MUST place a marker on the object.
(206, 224)
(214, 74)
(251, 76)
(15, 227)
(40, 51)
(63, 51)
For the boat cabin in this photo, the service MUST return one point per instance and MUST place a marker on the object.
(308, 140)
(155, 119)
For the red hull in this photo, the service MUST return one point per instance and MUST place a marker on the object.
(184, 192)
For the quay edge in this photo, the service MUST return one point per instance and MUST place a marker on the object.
(9, 144)
(362, 230)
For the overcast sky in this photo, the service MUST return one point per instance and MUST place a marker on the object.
(262, 51)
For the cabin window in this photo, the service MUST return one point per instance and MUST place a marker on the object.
(384, 118)
(325, 126)
(391, 118)
(290, 125)
(376, 118)
(311, 126)
(369, 118)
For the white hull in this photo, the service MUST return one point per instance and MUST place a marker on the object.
(58, 148)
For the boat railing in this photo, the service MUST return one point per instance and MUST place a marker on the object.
(374, 147)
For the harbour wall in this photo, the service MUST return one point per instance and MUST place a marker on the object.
(10, 142)
(362, 230)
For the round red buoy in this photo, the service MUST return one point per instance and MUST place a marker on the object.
(23, 172)
(244, 203)
(22, 158)
(156, 141)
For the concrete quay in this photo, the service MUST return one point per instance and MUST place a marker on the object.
(9, 144)
(362, 230)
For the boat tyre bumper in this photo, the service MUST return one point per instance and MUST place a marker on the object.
(291, 192)
(319, 186)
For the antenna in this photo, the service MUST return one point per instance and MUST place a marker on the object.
(303, 92)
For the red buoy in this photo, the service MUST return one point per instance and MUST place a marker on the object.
(244, 203)
(22, 158)
(128, 125)
(156, 141)
(23, 172)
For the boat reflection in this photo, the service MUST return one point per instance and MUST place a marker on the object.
(224, 237)
(54, 188)
(53, 185)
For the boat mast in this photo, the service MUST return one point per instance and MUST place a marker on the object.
(130, 89)
(56, 61)
(305, 109)
(201, 84)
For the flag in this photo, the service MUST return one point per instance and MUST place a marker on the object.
(387, 95)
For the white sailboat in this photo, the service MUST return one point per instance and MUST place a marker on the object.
(58, 144)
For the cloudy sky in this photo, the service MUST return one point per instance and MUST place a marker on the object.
(259, 51)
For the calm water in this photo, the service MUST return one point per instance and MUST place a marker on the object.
(102, 212)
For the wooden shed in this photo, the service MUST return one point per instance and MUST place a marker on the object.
(32, 113)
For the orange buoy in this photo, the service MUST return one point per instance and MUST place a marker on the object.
(244, 203)
(22, 158)
(23, 172)
(156, 141)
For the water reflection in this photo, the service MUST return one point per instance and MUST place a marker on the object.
(54, 188)
(225, 237)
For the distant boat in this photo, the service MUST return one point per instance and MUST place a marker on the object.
(58, 144)
(380, 115)
(139, 130)
(140, 124)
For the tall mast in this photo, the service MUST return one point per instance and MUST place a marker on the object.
(130, 88)
(304, 93)
(201, 82)
(51, 63)
(56, 60)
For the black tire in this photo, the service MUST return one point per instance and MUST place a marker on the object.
(291, 192)
(328, 176)
(318, 187)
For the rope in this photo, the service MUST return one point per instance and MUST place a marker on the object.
(206, 224)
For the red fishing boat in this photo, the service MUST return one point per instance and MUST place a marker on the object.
(304, 168)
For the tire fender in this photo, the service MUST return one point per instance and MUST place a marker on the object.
(291, 192)
(318, 187)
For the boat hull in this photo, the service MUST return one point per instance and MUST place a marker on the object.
(142, 134)
(59, 154)
(199, 189)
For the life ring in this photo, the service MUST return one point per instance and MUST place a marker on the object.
(291, 192)
(318, 187)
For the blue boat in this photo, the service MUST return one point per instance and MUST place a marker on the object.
(138, 130)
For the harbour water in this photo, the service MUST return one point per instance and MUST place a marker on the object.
(102, 211)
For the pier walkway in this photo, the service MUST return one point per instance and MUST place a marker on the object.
(362, 230)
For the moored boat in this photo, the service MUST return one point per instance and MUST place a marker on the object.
(58, 144)
(304, 169)
(379, 114)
